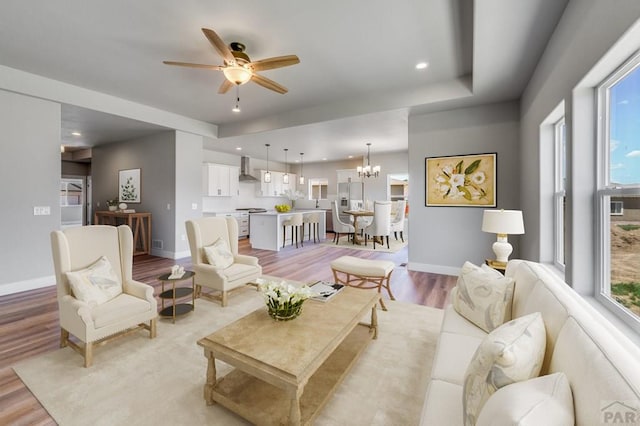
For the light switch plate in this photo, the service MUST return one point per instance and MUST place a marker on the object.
(194, 206)
(41, 211)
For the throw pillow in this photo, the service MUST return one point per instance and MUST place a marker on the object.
(483, 296)
(218, 254)
(511, 353)
(96, 284)
(545, 400)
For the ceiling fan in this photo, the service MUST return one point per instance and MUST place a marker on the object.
(238, 67)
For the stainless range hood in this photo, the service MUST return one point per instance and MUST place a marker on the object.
(245, 170)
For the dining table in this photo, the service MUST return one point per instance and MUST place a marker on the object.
(356, 215)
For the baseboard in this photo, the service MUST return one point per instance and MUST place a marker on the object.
(434, 269)
(170, 254)
(26, 285)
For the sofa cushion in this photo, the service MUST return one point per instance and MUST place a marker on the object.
(218, 254)
(544, 400)
(96, 284)
(453, 354)
(443, 405)
(511, 353)
(453, 322)
(483, 296)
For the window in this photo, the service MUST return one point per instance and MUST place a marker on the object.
(559, 194)
(318, 188)
(617, 208)
(618, 194)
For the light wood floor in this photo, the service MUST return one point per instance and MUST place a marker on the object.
(29, 320)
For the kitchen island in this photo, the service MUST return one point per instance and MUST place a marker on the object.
(265, 231)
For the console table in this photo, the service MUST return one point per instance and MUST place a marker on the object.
(140, 224)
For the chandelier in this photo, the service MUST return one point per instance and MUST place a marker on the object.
(368, 170)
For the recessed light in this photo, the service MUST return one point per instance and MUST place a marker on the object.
(351, 156)
(324, 159)
(76, 133)
(239, 148)
(422, 65)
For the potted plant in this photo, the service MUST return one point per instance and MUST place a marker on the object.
(112, 204)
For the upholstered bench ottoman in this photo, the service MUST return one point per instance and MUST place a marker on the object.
(364, 273)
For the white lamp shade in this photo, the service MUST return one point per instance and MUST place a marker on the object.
(503, 222)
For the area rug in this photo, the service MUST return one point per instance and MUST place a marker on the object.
(394, 245)
(139, 381)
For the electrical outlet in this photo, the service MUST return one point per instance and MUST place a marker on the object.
(41, 211)
(169, 206)
(194, 206)
(183, 237)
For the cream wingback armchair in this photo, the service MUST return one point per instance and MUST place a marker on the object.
(240, 269)
(90, 257)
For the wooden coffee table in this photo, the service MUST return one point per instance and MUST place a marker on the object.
(285, 372)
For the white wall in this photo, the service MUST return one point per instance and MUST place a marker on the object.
(30, 171)
(587, 31)
(443, 238)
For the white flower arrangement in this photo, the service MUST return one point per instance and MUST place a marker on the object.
(283, 300)
(293, 195)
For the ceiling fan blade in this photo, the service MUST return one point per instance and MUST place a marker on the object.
(190, 65)
(225, 86)
(219, 45)
(269, 84)
(276, 62)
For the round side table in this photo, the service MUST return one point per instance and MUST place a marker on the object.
(177, 309)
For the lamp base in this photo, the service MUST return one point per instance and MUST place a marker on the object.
(502, 248)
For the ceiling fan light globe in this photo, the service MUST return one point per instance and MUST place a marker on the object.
(236, 74)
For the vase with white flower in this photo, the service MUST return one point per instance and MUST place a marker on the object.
(284, 301)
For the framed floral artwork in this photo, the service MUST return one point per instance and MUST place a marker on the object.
(129, 186)
(461, 180)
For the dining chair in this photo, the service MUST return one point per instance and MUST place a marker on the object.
(339, 227)
(381, 224)
(397, 224)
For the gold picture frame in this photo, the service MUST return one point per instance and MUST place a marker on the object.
(461, 180)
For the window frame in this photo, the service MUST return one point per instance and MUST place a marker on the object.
(559, 192)
(606, 190)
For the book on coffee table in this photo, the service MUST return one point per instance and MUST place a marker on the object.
(325, 290)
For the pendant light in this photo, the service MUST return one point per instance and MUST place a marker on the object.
(301, 164)
(267, 175)
(368, 171)
(285, 176)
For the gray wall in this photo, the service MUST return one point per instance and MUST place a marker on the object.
(30, 170)
(443, 238)
(155, 157)
(586, 32)
(188, 186)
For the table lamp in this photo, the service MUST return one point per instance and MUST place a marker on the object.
(502, 222)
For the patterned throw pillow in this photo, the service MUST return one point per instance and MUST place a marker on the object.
(96, 284)
(511, 353)
(545, 400)
(483, 296)
(218, 254)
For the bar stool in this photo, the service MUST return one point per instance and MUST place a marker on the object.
(313, 219)
(295, 222)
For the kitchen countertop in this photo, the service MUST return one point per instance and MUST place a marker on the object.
(276, 213)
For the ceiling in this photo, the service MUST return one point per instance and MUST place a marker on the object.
(356, 81)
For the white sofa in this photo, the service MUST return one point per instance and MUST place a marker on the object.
(601, 364)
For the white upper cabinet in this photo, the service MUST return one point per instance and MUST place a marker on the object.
(220, 180)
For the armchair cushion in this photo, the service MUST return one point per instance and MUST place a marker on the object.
(96, 284)
(120, 308)
(239, 271)
(218, 254)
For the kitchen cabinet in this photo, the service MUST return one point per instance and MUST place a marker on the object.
(242, 217)
(276, 187)
(220, 180)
